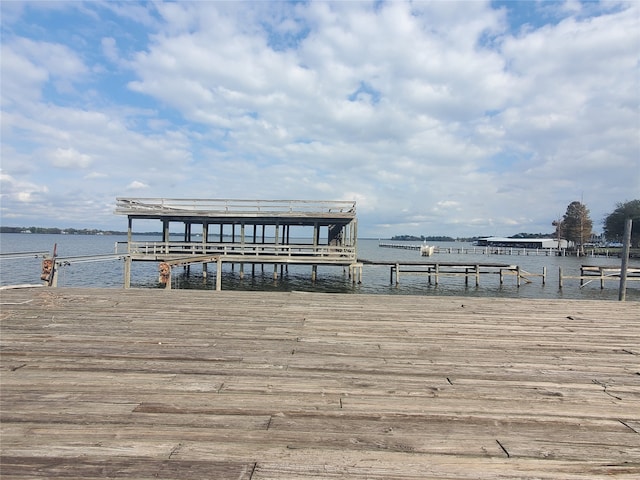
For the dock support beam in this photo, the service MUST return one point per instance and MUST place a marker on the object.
(355, 272)
(560, 278)
(127, 271)
(622, 289)
(219, 274)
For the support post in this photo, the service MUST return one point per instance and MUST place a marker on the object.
(205, 239)
(253, 265)
(219, 274)
(622, 291)
(165, 235)
(127, 271)
(129, 233)
(560, 277)
(355, 272)
(54, 275)
(544, 275)
(477, 275)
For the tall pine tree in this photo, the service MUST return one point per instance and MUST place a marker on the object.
(577, 225)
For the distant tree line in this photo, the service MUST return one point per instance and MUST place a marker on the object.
(532, 235)
(422, 238)
(68, 231)
(55, 230)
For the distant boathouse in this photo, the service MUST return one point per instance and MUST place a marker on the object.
(275, 232)
(522, 242)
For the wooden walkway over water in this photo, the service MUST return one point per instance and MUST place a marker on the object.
(436, 270)
(247, 385)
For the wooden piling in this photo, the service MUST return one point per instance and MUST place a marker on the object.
(560, 278)
(219, 274)
(127, 271)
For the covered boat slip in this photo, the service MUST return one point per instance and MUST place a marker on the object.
(323, 229)
(244, 231)
(186, 384)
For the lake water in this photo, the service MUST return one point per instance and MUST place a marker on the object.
(330, 279)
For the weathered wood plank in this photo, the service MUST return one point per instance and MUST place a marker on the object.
(184, 384)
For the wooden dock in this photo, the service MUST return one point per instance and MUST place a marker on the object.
(436, 270)
(183, 384)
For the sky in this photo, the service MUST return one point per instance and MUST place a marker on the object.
(457, 118)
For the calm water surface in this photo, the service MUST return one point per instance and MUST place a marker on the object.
(330, 279)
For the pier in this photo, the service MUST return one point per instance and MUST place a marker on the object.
(510, 250)
(590, 273)
(139, 383)
(435, 270)
(275, 232)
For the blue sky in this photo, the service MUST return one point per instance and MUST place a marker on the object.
(438, 118)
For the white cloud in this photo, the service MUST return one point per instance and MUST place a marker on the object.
(19, 190)
(137, 185)
(70, 158)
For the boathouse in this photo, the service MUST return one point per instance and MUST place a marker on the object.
(276, 232)
(521, 242)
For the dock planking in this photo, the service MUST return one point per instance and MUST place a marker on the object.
(185, 384)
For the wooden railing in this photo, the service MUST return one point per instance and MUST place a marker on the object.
(322, 252)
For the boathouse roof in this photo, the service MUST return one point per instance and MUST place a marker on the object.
(248, 211)
(519, 242)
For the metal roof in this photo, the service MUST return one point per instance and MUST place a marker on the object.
(250, 211)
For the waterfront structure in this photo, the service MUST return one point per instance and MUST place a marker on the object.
(522, 242)
(276, 232)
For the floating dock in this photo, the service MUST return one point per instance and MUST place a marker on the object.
(144, 383)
